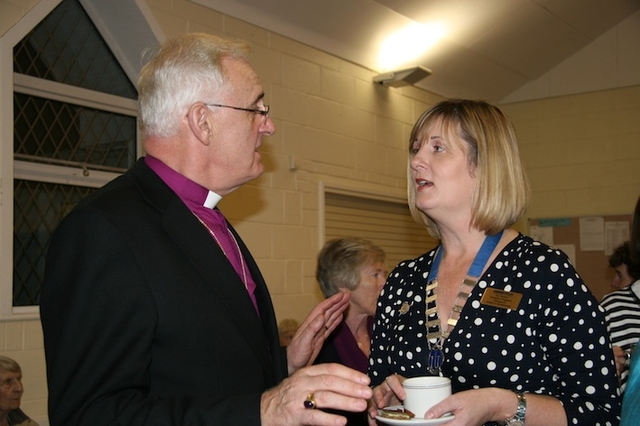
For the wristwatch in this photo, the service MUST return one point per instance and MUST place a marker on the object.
(521, 411)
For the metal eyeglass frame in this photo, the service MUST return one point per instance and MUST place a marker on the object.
(263, 112)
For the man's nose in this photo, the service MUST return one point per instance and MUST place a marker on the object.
(268, 127)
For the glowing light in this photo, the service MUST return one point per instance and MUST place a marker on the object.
(408, 44)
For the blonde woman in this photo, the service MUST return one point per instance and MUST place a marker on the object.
(506, 318)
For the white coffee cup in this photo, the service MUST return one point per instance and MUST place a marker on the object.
(424, 392)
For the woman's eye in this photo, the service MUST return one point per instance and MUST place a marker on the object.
(415, 147)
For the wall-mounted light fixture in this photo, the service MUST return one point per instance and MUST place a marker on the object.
(404, 77)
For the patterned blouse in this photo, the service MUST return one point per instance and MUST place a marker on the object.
(554, 343)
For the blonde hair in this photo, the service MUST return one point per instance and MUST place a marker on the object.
(502, 191)
(182, 71)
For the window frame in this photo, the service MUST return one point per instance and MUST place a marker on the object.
(108, 19)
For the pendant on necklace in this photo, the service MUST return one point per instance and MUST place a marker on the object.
(436, 357)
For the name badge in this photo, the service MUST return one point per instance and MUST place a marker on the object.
(501, 299)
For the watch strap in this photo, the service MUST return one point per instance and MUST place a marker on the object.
(521, 411)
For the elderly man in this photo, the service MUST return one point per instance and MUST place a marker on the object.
(154, 312)
(10, 394)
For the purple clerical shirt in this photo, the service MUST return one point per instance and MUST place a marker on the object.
(202, 203)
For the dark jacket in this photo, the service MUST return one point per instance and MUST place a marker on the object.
(146, 322)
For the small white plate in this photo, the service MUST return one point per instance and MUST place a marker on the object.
(414, 422)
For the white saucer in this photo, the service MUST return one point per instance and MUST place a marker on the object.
(414, 422)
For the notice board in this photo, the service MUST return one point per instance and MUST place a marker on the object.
(588, 241)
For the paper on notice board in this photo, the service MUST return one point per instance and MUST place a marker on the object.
(615, 233)
(592, 233)
(544, 234)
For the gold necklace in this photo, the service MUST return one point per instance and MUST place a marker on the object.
(215, 237)
(463, 294)
(436, 357)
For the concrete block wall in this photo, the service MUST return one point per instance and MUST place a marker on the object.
(12, 11)
(582, 152)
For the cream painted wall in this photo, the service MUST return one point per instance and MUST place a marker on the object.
(335, 126)
(582, 152)
(12, 11)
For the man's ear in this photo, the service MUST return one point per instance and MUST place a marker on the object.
(200, 122)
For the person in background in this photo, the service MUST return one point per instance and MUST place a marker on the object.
(358, 267)
(625, 271)
(11, 390)
(506, 318)
(631, 402)
(286, 330)
(634, 242)
(622, 309)
(153, 310)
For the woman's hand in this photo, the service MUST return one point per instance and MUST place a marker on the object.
(479, 406)
(475, 407)
(621, 359)
(389, 392)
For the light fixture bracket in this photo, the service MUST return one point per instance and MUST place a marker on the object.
(404, 77)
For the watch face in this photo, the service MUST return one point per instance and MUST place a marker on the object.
(516, 423)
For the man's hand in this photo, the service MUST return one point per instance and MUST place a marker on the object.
(311, 334)
(330, 385)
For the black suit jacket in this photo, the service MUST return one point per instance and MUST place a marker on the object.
(146, 322)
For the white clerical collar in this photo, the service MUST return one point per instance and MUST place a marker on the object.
(212, 200)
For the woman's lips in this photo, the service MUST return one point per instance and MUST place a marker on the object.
(423, 182)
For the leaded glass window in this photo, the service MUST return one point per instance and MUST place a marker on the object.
(67, 48)
(46, 131)
(61, 133)
(38, 209)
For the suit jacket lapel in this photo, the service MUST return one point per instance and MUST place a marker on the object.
(218, 275)
(267, 312)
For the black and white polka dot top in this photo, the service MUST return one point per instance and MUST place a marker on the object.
(554, 343)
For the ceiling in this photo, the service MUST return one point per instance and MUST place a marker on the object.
(490, 48)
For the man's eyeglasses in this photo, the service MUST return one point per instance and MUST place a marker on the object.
(263, 112)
